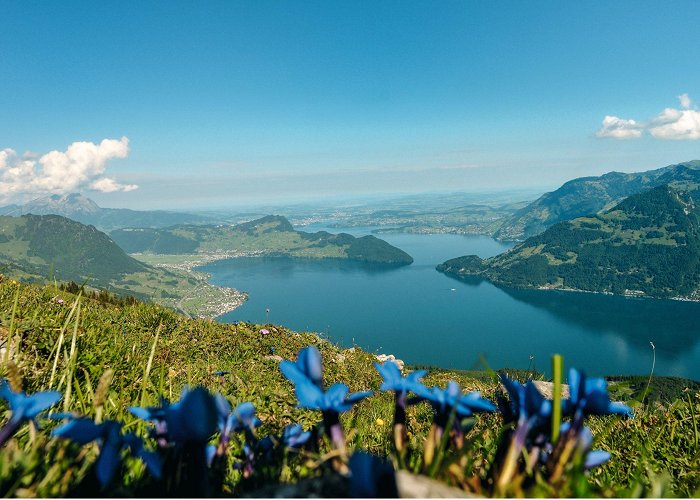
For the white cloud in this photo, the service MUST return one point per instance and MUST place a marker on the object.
(618, 128)
(81, 166)
(670, 124)
(676, 124)
(686, 102)
(109, 185)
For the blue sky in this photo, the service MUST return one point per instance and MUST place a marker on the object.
(232, 102)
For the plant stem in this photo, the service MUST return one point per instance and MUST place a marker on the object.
(653, 364)
(7, 431)
(557, 368)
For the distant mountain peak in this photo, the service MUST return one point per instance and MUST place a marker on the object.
(68, 204)
(589, 196)
(267, 224)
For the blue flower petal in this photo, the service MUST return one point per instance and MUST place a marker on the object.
(36, 403)
(620, 409)
(371, 477)
(81, 430)
(309, 395)
(222, 406)
(575, 385)
(153, 462)
(336, 394)
(292, 372)
(107, 462)
(309, 362)
(193, 418)
(140, 412)
(243, 418)
(357, 396)
(475, 402)
(595, 458)
(211, 453)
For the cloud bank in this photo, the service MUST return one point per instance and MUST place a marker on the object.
(670, 124)
(81, 166)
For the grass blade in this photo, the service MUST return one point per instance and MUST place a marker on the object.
(147, 371)
(59, 344)
(71, 363)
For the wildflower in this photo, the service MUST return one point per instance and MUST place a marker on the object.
(242, 418)
(24, 407)
(112, 441)
(444, 402)
(590, 396)
(379, 422)
(335, 399)
(308, 366)
(305, 374)
(526, 403)
(593, 458)
(393, 381)
(264, 331)
(532, 412)
(193, 418)
(156, 415)
(294, 436)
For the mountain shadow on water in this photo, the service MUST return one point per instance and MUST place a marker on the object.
(671, 325)
(286, 266)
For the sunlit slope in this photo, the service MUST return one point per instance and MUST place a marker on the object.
(649, 244)
(270, 235)
(589, 196)
(43, 248)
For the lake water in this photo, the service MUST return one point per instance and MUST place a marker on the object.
(425, 317)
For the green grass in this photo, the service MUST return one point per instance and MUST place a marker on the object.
(660, 444)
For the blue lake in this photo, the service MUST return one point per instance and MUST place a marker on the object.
(425, 317)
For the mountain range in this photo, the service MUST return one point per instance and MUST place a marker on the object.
(587, 196)
(77, 207)
(647, 244)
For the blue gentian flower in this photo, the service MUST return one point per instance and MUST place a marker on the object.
(593, 458)
(84, 430)
(394, 381)
(242, 418)
(305, 374)
(336, 398)
(24, 407)
(590, 396)
(193, 418)
(156, 415)
(526, 403)
(294, 436)
(308, 366)
(465, 405)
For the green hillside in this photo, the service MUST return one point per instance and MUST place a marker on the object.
(50, 247)
(649, 244)
(113, 357)
(271, 235)
(588, 196)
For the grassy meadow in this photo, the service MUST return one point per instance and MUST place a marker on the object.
(106, 357)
